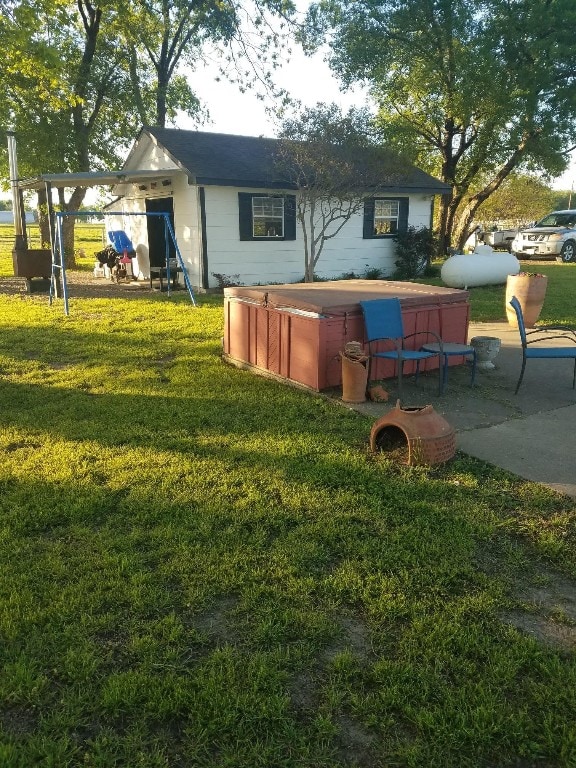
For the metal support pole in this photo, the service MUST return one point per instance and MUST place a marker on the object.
(167, 255)
(180, 260)
(59, 263)
(17, 208)
(55, 284)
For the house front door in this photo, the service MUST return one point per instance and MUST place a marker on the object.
(157, 230)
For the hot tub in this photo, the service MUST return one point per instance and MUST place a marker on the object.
(296, 331)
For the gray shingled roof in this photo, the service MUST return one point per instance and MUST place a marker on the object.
(248, 161)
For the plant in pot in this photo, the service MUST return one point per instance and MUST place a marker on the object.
(530, 290)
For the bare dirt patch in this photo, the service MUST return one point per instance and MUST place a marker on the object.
(19, 720)
(216, 622)
(81, 284)
(546, 610)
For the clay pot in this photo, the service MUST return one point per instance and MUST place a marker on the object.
(429, 437)
(530, 290)
(354, 379)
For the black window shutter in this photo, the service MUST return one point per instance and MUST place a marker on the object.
(245, 215)
(368, 231)
(403, 214)
(290, 217)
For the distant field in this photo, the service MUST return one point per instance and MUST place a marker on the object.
(89, 239)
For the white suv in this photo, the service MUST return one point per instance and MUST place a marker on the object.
(554, 236)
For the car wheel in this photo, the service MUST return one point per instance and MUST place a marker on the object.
(568, 252)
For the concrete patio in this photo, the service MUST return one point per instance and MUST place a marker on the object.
(532, 434)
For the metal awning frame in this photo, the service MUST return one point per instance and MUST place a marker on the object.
(95, 178)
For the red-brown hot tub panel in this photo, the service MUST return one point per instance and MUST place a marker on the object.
(296, 332)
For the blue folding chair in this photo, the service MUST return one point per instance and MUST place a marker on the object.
(543, 333)
(383, 322)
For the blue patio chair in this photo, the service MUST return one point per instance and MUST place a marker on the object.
(383, 322)
(543, 333)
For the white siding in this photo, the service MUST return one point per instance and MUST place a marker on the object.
(149, 156)
(283, 261)
(186, 226)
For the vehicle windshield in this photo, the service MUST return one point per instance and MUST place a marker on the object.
(558, 220)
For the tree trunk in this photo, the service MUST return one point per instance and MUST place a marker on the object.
(443, 234)
(43, 219)
(312, 259)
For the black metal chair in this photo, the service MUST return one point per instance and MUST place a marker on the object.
(161, 273)
(543, 333)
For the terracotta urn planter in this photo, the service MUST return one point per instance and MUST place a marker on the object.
(487, 348)
(354, 373)
(429, 437)
(530, 290)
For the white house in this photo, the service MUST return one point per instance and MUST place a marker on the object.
(234, 216)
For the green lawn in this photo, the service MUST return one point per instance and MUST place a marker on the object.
(201, 567)
(487, 302)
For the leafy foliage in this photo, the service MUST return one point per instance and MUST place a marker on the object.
(415, 250)
(519, 200)
(76, 91)
(471, 90)
(333, 162)
(226, 281)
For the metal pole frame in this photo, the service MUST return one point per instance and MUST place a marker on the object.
(58, 261)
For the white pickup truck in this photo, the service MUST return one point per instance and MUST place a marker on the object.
(553, 237)
(499, 239)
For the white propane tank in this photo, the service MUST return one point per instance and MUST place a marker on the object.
(483, 267)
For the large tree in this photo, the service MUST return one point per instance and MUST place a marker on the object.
(163, 36)
(473, 89)
(77, 88)
(68, 103)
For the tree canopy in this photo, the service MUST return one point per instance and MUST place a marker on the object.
(80, 77)
(472, 89)
(519, 200)
(333, 161)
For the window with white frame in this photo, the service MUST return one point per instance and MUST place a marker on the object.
(386, 215)
(268, 217)
(263, 217)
